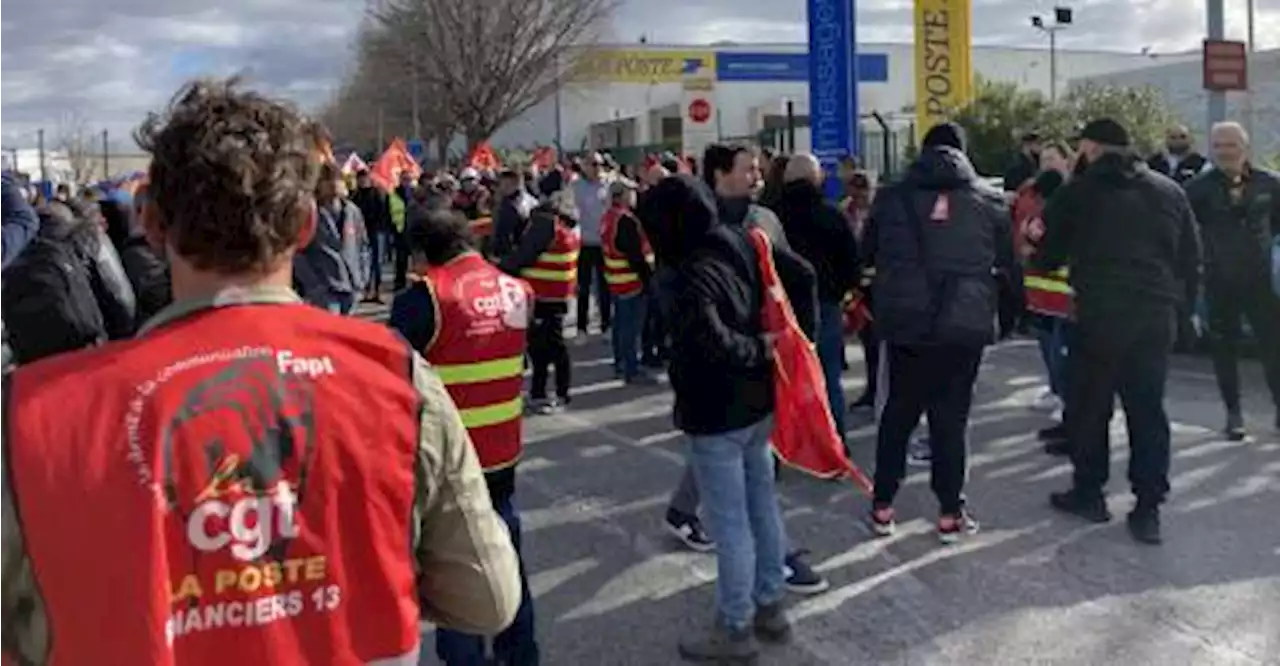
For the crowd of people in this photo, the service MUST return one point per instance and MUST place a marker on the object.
(226, 440)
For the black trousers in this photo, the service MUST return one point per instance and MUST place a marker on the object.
(591, 271)
(547, 349)
(401, 245)
(933, 380)
(1257, 304)
(653, 338)
(1123, 354)
(870, 356)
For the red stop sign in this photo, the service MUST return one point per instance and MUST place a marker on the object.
(699, 110)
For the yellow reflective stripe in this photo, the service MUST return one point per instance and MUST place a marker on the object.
(484, 371)
(617, 263)
(550, 275)
(621, 278)
(1046, 284)
(558, 258)
(479, 417)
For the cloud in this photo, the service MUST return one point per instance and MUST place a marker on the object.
(109, 63)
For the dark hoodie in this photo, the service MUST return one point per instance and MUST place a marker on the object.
(1128, 235)
(720, 368)
(938, 258)
(819, 233)
(70, 224)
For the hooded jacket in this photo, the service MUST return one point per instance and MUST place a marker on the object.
(720, 368)
(939, 240)
(63, 224)
(818, 232)
(1128, 235)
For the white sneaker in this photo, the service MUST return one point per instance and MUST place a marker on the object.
(1046, 402)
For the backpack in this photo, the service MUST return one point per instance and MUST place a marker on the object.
(49, 306)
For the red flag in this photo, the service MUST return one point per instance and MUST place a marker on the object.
(395, 160)
(543, 158)
(483, 157)
(804, 435)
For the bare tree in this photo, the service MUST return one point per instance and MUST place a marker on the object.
(486, 63)
(76, 141)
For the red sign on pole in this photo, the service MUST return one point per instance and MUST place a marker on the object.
(699, 110)
(1226, 65)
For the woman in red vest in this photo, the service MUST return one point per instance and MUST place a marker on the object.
(628, 266)
(1048, 295)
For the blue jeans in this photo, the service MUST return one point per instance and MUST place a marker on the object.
(340, 303)
(831, 355)
(734, 472)
(628, 323)
(1051, 333)
(517, 644)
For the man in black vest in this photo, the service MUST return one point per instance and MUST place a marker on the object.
(1179, 160)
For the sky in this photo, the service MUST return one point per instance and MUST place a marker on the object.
(103, 64)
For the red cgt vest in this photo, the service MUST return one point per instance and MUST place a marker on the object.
(618, 275)
(478, 351)
(554, 276)
(228, 500)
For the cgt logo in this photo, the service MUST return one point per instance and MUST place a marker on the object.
(249, 525)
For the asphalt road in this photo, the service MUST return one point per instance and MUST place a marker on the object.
(1033, 587)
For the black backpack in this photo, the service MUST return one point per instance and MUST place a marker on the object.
(49, 305)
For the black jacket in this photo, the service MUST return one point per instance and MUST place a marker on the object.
(939, 240)
(818, 232)
(1237, 235)
(1021, 169)
(721, 371)
(1189, 166)
(148, 274)
(797, 275)
(508, 225)
(1128, 235)
(375, 206)
(110, 284)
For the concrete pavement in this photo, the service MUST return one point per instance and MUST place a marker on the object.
(1033, 587)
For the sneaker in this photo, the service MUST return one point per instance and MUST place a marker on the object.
(548, 407)
(919, 453)
(1144, 525)
(1052, 433)
(864, 401)
(642, 379)
(801, 578)
(1057, 447)
(1235, 427)
(1046, 402)
(1091, 507)
(688, 529)
(951, 526)
(882, 521)
(722, 645)
(771, 624)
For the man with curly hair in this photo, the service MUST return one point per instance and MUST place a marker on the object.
(220, 493)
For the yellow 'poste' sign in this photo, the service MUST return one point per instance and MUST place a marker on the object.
(644, 65)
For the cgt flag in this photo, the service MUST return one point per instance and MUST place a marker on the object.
(394, 162)
(483, 158)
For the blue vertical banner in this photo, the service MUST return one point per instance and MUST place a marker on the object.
(833, 86)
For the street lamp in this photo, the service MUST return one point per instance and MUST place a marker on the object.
(1061, 19)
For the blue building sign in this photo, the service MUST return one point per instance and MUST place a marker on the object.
(733, 66)
(833, 89)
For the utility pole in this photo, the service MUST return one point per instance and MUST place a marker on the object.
(1062, 18)
(559, 131)
(382, 143)
(1217, 111)
(1248, 64)
(40, 151)
(106, 157)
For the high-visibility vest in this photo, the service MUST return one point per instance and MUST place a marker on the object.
(478, 350)
(228, 499)
(1048, 293)
(618, 274)
(397, 212)
(554, 276)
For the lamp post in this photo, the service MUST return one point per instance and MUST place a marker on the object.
(1062, 17)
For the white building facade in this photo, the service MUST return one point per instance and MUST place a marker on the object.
(635, 95)
(1182, 85)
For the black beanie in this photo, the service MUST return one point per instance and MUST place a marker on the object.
(945, 134)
